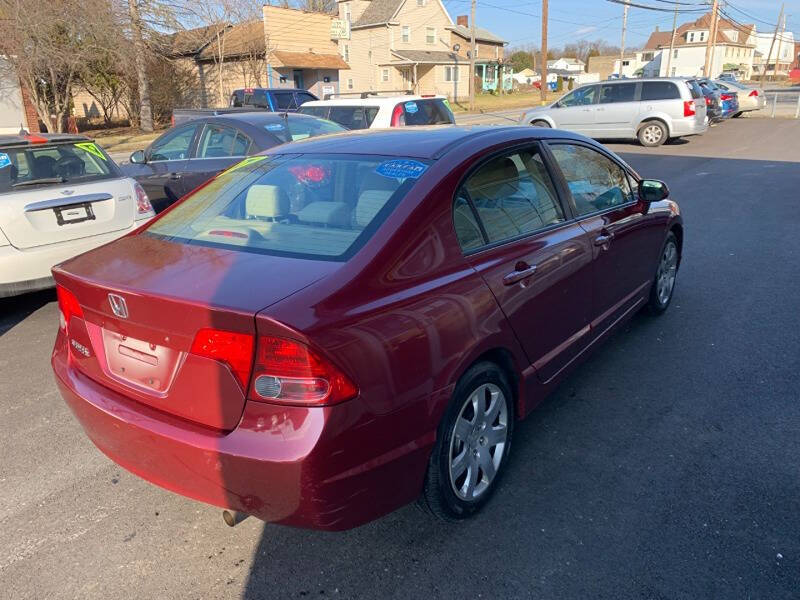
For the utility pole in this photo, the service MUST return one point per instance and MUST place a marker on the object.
(769, 54)
(672, 43)
(472, 58)
(778, 53)
(707, 65)
(713, 32)
(622, 42)
(543, 67)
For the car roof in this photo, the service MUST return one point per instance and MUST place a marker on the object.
(247, 90)
(370, 100)
(429, 142)
(259, 118)
(7, 141)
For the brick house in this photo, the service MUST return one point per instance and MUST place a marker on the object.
(414, 44)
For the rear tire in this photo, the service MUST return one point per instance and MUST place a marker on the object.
(540, 123)
(664, 281)
(472, 444)
(737, 115)
(652, 133)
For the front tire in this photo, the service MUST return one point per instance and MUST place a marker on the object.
(540, 123)
(664, 282)
(472, 446)
(652, 133)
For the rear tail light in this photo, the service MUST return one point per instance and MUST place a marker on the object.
(230, 348)
(398, 118)
(289, 372)
(708, 101)
(143, 206)
(727, 97)
(753, 93)
(688, 108)
(68, 307)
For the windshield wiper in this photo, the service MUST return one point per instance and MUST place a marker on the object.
(40, 181)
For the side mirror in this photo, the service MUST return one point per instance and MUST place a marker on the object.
(138, 157)
(653, 190)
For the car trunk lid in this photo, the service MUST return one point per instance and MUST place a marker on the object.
(144, 300)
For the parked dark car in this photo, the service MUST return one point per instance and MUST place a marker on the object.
(249, 99)
(188, 155)
(728, 99)
(713, 100)
(352, 322)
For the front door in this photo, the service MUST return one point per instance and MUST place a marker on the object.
(218, 148)
(609, 210)
(162, 174)
(537, 264)
(297, 75)
(576, 111)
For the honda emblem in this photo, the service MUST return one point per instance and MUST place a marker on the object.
(118, 306)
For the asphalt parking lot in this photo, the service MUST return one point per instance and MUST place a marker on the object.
(665, 467)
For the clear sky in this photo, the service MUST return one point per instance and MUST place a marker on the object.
(519, 21)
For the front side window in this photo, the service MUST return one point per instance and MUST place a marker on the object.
(595, 181)
(580, 97)
(284, 100)
(52, 165)
(218, 141)
(617, 92)
(174, 145)
(304, 206)
(512, 195)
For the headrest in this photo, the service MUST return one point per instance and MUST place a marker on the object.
(370, 202)
(265, 201)
(496, 173)
(334, 214)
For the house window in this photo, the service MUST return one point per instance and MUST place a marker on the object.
(346, 52)
(625, 63)
(350, 84)
(674, 70)
(450, 73)
(430, 35)
(406, 34)
(675, 53)
(385, 75)
(702, 36)
(691, 36)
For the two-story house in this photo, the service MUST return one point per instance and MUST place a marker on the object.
(414, 45)
(779, 62)
(734, 48)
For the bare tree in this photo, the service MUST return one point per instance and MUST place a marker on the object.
(321, 6)
(140, 59)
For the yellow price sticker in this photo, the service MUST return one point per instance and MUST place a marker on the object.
(247, 161)
(91, 148)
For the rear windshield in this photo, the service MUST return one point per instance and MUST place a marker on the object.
(693, 86)
(306, 206)
(291, 129)
(426, 112)
(353, 117)
(53, 165)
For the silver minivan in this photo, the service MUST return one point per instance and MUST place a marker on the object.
(650, 110)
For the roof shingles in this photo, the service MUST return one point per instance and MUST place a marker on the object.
(378, 12)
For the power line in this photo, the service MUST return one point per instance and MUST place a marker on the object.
(656, 8)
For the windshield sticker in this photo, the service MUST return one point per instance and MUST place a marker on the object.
(91, 148)
(247, 161)
(411, 107)
(274, 127)
(401, 169)
(580, 187)
(4, 160)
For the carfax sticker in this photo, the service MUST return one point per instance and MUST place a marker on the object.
(4, 160)
(274, 127)
(91, 148)
(401, 169)
(411, 107)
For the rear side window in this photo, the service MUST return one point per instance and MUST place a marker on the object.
(218, 141)
(257, 98)
(511, 195)
(660, 90)
(694, 88)
(303, 97)
(237, 98)
(617, 92)
(305, 206)
(352, 117)
(314, 111)
(426, 112)
(595, 181)
(284, 100)
(292, 129)
(43, 165)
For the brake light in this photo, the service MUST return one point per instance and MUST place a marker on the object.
(68, 307)
(727, 97)
(753, 93)
(398, 120)
(143, 206)
(230, 348)
(708, 101)
(688, 108)
(35, 139)
(290, 372)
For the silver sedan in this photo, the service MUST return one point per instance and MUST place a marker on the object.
(750, 98)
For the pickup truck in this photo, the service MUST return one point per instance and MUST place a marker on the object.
(248, 100)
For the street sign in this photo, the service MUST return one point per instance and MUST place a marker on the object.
(340, 29)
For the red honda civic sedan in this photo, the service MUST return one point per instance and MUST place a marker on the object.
(323, 334)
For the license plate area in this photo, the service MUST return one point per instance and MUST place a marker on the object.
(74, 213)
(140, 363)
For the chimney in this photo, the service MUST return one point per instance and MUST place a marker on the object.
(462, 20)
(656, 28)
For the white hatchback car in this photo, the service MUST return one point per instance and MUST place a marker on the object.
(60, 195)
(371, 111)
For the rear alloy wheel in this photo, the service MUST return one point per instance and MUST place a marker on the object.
(472, 446)
(540, 123)
(666, 273)
(652, 133)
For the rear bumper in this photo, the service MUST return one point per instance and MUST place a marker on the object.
(320, 468)
(28, 270)
(687, 126)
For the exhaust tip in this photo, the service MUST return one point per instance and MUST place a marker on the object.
(233, 518)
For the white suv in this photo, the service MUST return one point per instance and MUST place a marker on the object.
(60, 195)
(371, 111)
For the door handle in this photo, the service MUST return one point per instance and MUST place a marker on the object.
(522, 271)
(603, 239)
(175, 176)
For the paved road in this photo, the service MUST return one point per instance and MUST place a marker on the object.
(666, 467)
